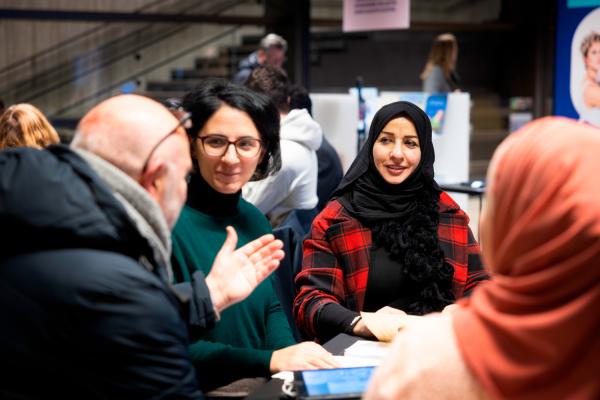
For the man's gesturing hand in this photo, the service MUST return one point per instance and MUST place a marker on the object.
(236, 273)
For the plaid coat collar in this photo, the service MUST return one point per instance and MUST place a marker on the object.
(336, 259)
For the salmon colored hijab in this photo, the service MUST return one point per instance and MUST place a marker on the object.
(533, 331)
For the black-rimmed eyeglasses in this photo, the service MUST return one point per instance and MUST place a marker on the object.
(217, 146)
(185, 121)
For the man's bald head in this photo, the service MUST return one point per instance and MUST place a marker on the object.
(130, 130)
(123, 129)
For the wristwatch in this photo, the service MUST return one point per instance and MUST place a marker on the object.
(354, 322)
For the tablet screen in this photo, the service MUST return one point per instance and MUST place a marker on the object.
(336, 381)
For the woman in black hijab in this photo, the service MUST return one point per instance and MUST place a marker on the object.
(389, 237)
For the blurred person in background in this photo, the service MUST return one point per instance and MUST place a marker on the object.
(328, 160)
(439, 74)
(271, 51)
(25, 125)
(294, 186)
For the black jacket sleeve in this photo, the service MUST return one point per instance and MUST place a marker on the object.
(138, 339)
(198, 309)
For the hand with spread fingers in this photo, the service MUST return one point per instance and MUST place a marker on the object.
(236, 273)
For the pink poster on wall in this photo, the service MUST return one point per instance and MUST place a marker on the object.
(376, 15)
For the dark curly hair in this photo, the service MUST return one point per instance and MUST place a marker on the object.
(299, 98)
(413, 242)
(212, 93)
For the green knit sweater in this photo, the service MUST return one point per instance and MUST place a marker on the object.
(243, 340)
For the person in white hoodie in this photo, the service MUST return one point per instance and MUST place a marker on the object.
(294, 187)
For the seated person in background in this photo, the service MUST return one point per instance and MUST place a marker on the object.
(531, 332)
(390, 237)
(294, 187)
(25, 125)
(87, 308)
(234, 139)
(328, 160)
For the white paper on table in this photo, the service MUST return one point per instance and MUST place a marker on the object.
(368, 349)
(347, 361)
(285, 375)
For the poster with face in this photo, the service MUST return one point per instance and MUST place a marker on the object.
(585, 68)
(577, 63)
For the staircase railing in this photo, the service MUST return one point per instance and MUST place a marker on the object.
(66, 43)
(110, 52)
(106, 91)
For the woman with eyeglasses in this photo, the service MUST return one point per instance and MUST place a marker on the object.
(234, 139)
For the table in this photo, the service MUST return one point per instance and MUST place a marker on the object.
(272, 389)
(461, 188)
(341, 342)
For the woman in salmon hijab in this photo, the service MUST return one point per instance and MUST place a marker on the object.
(533, 331)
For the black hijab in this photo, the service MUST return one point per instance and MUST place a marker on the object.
(364, 192)
(403, 217)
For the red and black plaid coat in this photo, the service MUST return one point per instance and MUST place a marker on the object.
(336, 260)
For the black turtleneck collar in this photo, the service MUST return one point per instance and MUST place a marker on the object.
(202, 197)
